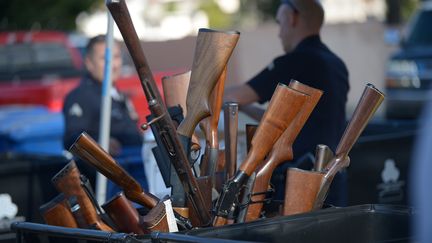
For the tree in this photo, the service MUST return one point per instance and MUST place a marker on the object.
(43, 14)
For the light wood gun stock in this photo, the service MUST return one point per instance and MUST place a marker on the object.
(282, 151)
(175, 89)
(212, 52)
(283, 108)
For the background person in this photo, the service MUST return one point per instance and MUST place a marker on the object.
(82, 109)
(308, 60)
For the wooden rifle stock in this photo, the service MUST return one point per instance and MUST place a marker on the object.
(231, 131)
(57, 212)
(175, 89)
(124, 215)
(88, 150)
(284, 105)
(210, 128)
(282, 151)
(162, 121)
(369, 102)
(212, 52)
(68, 181)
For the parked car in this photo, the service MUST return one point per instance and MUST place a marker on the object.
(41, 68)
(409, 70)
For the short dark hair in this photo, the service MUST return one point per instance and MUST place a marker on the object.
(92, 42)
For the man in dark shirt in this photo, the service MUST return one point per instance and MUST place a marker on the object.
(311, 62)
(82, 109)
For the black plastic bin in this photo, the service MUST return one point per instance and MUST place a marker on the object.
(380, 163)
(40, 233)
(363, 223)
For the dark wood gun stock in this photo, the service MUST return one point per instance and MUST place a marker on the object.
(124, 215)
(231, 131)
(175, 89)
(68, 181)
(162, 121)
(89, 150)
(283, 108)
(369, 102)
(213, 49)
(282, 151)
(209, 126)
(57, 212)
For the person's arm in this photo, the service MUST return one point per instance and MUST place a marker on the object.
(244, 95)
(253, 111)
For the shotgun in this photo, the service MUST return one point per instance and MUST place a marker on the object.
(123, 214)
(282, 151)
(283, 107)
(231, 130)
(369, 102)
(175, 92)
(162, 121)
(210, 128)
(57, 212)
(213, 49)
(68, 181)
(88, 150)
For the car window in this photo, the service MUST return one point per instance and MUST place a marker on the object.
(421, 30)
(35, 60)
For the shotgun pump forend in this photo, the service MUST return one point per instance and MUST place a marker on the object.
(227, 202)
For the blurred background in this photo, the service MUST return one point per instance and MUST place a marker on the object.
(384, 42)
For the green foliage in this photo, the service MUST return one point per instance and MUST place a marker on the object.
(217, 18)
(43, 14)
(408, 7)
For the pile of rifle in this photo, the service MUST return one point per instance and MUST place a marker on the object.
(212, 191)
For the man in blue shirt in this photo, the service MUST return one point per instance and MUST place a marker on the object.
(308, 60)
(82, 109)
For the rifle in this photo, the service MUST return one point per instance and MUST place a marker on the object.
(369, 102)
(68, 181)
(211, 56)
(124, 215)
(57, 212)
(88, 150)
(231, 130)
(283, 107)
(282, 151)
(175, 91)
(210, 128)
(163, 122)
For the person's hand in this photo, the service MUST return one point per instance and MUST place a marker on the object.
(114, 147)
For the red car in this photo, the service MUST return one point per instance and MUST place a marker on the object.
(42, 67)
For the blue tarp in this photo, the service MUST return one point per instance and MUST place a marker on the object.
(30, 129)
